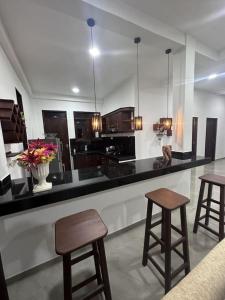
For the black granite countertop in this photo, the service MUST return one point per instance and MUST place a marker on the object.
(76, 183)
(113, 156)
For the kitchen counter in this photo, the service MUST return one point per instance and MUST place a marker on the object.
(76, 183)
(113, 156)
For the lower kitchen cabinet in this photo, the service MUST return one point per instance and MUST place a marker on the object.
(88, 160)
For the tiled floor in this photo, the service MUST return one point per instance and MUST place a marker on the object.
(128, 278)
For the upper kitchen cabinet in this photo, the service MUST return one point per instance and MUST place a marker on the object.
(119, 121)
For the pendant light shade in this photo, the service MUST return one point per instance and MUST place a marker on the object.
(96, 121)
(167, 122)
(138, 122)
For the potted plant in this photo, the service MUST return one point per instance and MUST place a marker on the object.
(36, 159)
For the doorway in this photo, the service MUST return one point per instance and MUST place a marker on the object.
(55, 122)
(194, 136)
(210, 139)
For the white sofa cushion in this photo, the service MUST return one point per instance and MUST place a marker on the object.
(206, 281)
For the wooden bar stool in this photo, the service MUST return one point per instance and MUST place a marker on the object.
(168, 201)
(3, 287)
(217, 180)
(75, 232)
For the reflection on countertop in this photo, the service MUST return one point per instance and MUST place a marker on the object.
(72, 184)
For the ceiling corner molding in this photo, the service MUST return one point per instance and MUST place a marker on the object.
(145, 21)
(222, 55)
(64, 98)
(11, 54)
(206, 51)
(139, 18)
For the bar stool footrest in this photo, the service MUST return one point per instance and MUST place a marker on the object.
(208, 228)
(176, 229)
(179, 269)
(213, 200)
(99, 289)
(156, 224)
(152, 260)
(211, 209)
(153, 245)
(178, 253)
(177, 242)
(81, 257)
(83, 283)
(156, 238)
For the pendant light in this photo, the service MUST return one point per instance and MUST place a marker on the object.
(96, 121)
(138, 124)
(167, 122)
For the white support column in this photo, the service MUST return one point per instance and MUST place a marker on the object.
(183, 96)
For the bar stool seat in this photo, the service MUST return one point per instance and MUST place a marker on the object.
(219, 215)
(168, 201)
(78, 230)
(75, 232)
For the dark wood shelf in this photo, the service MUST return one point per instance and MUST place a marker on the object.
(13, 126)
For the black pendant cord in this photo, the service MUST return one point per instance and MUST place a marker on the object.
(168, 83)
(138, 77)
(93, 71)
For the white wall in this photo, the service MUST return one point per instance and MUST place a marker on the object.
(152, 108)
(208, 105)
(68, 105)
(123, 96)
(8, 82)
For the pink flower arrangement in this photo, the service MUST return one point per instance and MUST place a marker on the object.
(37, 153)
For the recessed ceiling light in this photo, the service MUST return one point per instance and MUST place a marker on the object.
(76, 90)
(94, 51)
(212, 76)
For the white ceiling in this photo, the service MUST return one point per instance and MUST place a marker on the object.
(203, 19)
(205, 67)
(51, 40)
(52, 46)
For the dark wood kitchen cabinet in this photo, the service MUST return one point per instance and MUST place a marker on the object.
(119, 121)
(88, 160)
(85, 160)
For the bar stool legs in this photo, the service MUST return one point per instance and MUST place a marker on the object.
(221, 222)
(147, 235)
(101, 272)
(104, 270)
(209, 197)
(183, 218)
(97, 262)
(165, 241)
(167, 237)
(198, 212)
(67, 282)
(206, 204)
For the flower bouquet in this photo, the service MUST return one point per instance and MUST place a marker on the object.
(36, 159)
